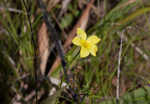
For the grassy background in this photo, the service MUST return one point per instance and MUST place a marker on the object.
(93, 76)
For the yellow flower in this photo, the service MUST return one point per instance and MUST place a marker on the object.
(88, 45)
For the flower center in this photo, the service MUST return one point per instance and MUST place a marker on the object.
(85, 44)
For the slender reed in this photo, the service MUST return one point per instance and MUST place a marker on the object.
(118, 70)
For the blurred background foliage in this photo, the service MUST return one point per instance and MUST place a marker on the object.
(92, 77)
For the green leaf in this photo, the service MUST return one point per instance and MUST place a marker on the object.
(52, 99)
(67, 20)
(139, 96)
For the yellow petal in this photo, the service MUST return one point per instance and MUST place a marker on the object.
(93, 49)
(81, 33)
(76, 41)
(93, 39)
(84, 52)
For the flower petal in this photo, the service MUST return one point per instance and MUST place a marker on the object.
(77, 41)
(81, 33)
(93, 39)
(84, 52)
(93, 49)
